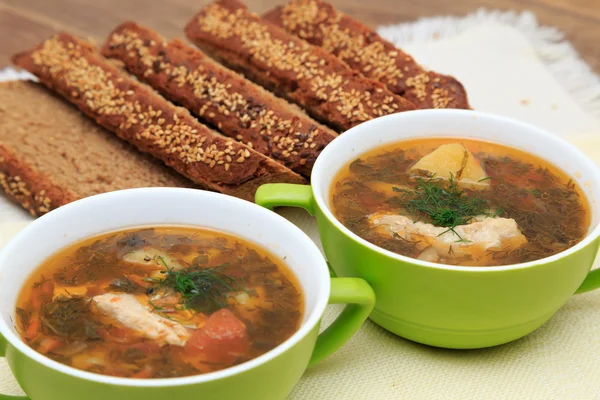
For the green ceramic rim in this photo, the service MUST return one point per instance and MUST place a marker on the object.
(314, 318)
(346, 139)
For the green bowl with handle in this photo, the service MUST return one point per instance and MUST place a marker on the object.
(269, 376)
(442, 305)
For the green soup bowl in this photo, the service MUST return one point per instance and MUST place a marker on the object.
(270, 376)
(442, 305)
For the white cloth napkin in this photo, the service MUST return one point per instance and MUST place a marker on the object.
(510, 66)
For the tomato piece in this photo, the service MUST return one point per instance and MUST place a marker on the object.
(228, 330)
(221, 340)
(208, 349)
(198, 343)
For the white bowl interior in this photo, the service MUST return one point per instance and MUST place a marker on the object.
(162, 206)
(455, 124)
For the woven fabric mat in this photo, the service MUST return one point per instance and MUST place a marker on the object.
(510, 66)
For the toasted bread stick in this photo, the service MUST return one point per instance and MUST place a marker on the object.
(220, 97)
(119, 103)
(319, 82)
(320, 24)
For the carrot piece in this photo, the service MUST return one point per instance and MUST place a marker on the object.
(199, 319)
(138, 280)
(43, 292)
(47, 288)
(171, 300)
(48, 344)
(33, 328)
(36, 298)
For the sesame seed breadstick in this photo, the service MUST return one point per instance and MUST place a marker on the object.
(51, 154)
(320, 24)
(220, 97)
(323, 85)
(132, 111)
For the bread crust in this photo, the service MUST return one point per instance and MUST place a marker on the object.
(220, 97)
(41, 169)
(319, 82)
(32, 189)
(73, 68)
(320, 24)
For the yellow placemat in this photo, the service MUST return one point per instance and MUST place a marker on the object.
(510, 67)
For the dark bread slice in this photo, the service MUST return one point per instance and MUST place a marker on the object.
(51, 154)
(220, 97)
(75, 69)
(319, 82)
(320, 24)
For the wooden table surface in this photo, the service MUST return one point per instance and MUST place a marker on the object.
(24, 22)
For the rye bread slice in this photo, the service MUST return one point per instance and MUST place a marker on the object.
(51, 154)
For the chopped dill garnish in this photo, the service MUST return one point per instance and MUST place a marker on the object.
(203, 289)
(444, 204)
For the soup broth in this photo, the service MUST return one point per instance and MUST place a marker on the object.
(158, 303)
(460, 202)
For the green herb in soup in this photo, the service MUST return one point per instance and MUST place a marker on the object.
(443, 204)
(461, 202)
(158, 303)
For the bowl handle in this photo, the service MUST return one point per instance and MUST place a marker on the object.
(355, 292)
(591, 282)
(273, 195)
(2, 352)
(360, 300)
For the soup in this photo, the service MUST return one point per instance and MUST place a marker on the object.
(158, 303)
(460, 202)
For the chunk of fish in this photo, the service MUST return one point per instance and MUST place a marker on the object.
(475, 239)
(151, 257)
(453, 160)
(128, 311)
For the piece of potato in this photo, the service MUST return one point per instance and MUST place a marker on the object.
(472, 174)
(453, 160)
(443, 162)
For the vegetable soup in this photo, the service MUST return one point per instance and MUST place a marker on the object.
(460, 202)
(159, 302)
